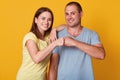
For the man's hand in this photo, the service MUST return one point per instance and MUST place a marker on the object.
(68, 41)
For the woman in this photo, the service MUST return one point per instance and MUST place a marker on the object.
(36, 51)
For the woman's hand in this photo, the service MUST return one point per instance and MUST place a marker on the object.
(53, 35)
(59, 42)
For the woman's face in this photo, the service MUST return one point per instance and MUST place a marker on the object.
(44, 21)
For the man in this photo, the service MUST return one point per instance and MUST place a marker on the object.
(73, 60)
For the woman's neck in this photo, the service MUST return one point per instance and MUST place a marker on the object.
(42, 34)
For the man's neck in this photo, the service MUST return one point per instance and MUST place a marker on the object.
(74, 31)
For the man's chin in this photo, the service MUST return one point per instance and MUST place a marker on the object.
(70, 25)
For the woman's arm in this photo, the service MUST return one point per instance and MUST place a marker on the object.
(38, 55)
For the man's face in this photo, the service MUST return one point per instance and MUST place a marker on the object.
(72, 16)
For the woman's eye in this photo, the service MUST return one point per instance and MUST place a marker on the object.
(50, 19)
(43, 18)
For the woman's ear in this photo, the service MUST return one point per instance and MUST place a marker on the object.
(35, 20)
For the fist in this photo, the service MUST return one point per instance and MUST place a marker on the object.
(60, 42)
(68, 41)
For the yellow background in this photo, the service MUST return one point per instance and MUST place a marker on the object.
(102, 16)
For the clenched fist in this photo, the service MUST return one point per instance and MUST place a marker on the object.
(68, 41)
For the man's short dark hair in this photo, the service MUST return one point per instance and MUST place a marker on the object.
(76, 4)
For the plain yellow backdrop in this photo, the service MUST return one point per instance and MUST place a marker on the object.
(102, 16)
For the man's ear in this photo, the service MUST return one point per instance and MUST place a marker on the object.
(81, 13)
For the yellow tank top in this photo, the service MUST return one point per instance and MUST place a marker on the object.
(30, 70)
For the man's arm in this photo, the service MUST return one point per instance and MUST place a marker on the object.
(52, 74)
(96, 50)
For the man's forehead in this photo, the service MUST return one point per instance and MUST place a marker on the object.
(71, 8)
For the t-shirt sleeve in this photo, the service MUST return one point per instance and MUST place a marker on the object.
(95, 38)
(56, 50)
(29, 36)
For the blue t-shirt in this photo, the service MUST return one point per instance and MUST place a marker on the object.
(75, 64)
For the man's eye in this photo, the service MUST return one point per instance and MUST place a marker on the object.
(66, 13)
(73, 13)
